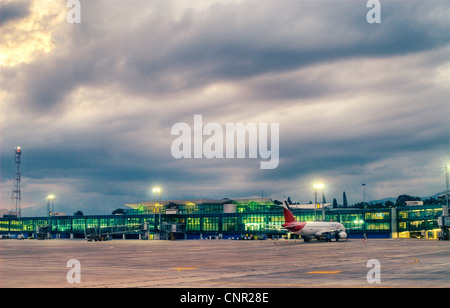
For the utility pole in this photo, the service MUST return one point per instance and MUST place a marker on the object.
(16, 193)
(447, 170)
(364, 194)
(364, 209)
(158, 190)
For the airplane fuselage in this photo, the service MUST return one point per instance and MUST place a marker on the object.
(313, 228)
(308, 230)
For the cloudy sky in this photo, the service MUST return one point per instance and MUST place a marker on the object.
(92, 104)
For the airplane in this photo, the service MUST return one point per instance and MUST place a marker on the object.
(310, 230)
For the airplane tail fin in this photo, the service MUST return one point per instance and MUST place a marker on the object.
(288, 216)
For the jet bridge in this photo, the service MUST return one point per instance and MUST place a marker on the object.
(444, 224)
(170, 231)
(106, 233)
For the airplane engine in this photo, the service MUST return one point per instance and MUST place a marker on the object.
(342, 235)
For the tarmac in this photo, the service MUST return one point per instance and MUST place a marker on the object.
(373, 263)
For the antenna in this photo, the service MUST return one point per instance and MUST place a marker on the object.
(16, 194)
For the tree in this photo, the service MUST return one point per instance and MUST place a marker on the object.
(401, 200)
(344, 200)
(118, 212)
(430, 200)
(335, 204)
(374, 205)
(78, 213)
(359, 205)
(389, 204)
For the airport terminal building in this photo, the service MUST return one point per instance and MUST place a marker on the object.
(249, 218)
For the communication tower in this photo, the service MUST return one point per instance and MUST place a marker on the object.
(16, 194)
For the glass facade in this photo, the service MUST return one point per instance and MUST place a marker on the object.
(414, 221)
(237, 218)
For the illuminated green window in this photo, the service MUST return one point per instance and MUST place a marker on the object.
(403, 214)
(378, 226)
(230, 224)
(78, 224)
(15, 225)
(210, 223)
(193, 224)
(61, 225)
(28, 225)
(254, 222)
(4, 225)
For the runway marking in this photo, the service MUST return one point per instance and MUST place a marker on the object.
(283, 285)
(183, 268)
(324, 272)
(40, 267)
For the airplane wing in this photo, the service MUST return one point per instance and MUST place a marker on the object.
(325, 232)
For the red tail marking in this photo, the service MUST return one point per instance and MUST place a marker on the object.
(288, 217)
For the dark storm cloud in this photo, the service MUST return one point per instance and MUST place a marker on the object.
(228, 42)
(10, 11)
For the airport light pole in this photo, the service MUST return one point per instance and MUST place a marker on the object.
(315, 201)
(447, 170)
(364, 209)
(50, 204)
(445, 214)
(158, 190)
(316, 187)
(364, 194)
